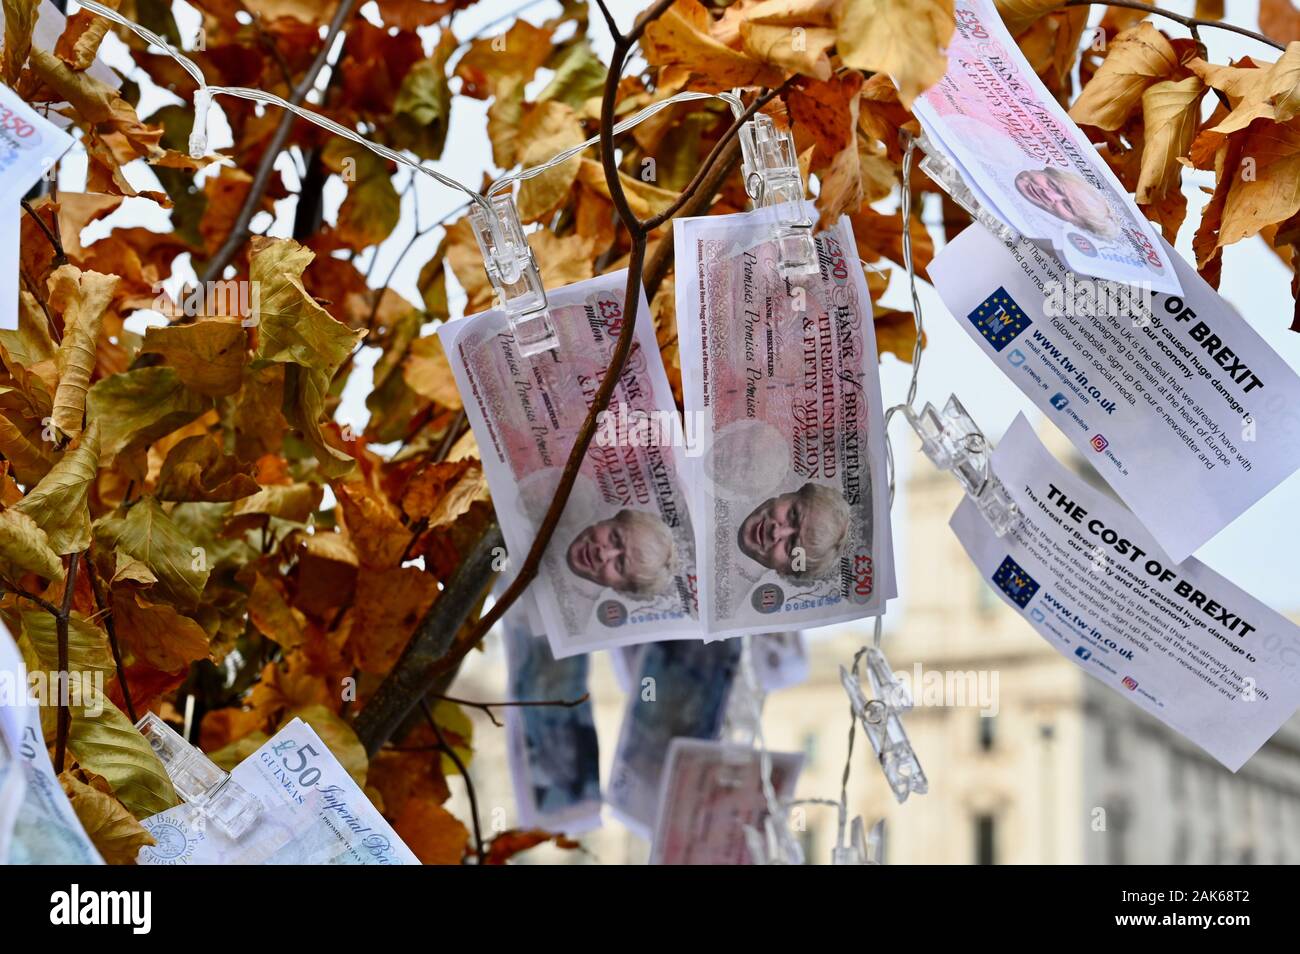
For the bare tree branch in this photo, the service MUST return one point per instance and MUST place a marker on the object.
(61, 634)
(660, 261)
(450, 752)
(440, 651)
(487, 707)
(1192, 23)
(59, 257)
(111, 628)
(266, 168)
(416, 671)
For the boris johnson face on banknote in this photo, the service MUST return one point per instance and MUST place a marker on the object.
(799, 534)
(631, 552)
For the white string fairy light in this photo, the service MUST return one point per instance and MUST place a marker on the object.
(635, 120)
(878, 629)
(775, 807)
(842, 804)
(787, 851)
(206, 93)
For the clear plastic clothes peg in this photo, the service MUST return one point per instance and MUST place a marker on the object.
(208, 789)
(953, 442)
(773, 180)
(512, 270)
(862, 849)
(880, 720)
(775, 844)
(948, 176)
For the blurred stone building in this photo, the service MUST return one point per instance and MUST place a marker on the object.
(1063, 770)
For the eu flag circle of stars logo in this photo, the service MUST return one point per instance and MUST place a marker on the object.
(1012, 580)
(999, 319)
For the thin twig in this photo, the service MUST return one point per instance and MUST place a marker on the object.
(1192, 23)
(408, 189)
(39, 601)
(661, 259)
(487, 707)
(638, 232)
(266, 167)
(60, 257)
(61, 634)
(464, 773)
(609, 20)
(35, 291)
(271, 46)
(111, 628)
(449, 439)
(415, 237)
(694, 187)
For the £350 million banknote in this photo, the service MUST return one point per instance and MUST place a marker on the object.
(789, 488)
(621, 566)
(312, 814)
(1027, 161)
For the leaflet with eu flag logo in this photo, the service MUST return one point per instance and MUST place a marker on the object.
(1175, 400)
(1178, 640)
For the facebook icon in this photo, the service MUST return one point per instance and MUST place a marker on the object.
(1083, 652)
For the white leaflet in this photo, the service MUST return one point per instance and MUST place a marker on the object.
(1179, 641)
(1180, 405)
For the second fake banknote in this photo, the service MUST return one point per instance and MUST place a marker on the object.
(1020, 153)
(553, 749)
(621, 566)
(789, 488)
(711, 792)
(681, 691)
(313, 813)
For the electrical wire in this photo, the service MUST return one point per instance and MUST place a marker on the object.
(909, 265)
(206, 93)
